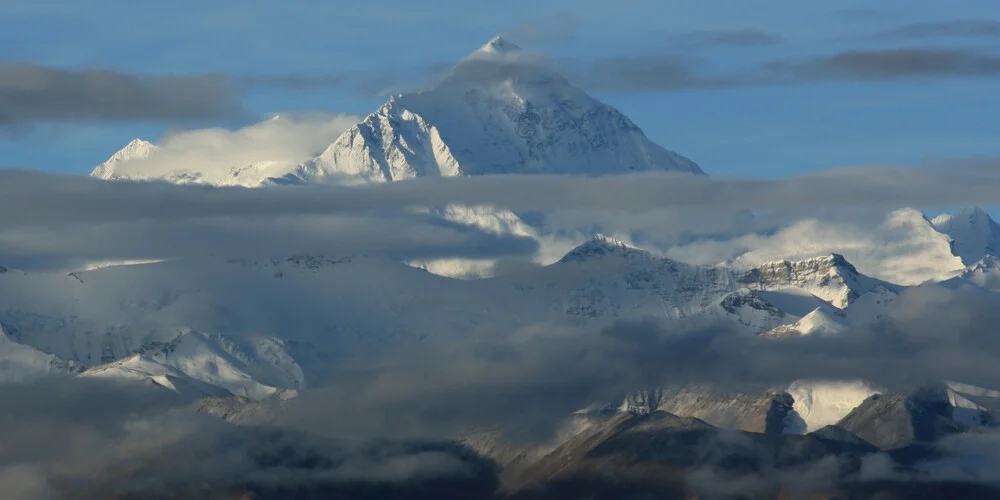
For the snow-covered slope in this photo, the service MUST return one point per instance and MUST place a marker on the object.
(818, 404)
(21, 363)
(498, 111)
(135, 150)
(820, 321)
(138, 368)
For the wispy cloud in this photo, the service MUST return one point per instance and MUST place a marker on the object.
(280, 142)
(33, 93)
(556, 28)
(671, 72)
(967, 28)
(741, 37)
(57, 215)
(860, 14)
(892, 64)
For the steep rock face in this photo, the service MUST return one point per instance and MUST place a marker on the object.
(830, 278)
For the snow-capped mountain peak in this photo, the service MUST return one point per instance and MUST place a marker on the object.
(498, 45)
(601, 246)
(500, 110)
(134, 150)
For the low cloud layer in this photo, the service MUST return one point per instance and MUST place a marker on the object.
(892, 64)
(59, 216)
(133, 440)
(397, 236)
(528, 382)
(96, 440)
(661, 72)
(30, 198)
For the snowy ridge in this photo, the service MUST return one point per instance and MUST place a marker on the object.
(830, 278)
(140, 369)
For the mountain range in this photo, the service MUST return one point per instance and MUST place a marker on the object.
(239, 336)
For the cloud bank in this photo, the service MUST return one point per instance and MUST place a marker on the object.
(30, 198)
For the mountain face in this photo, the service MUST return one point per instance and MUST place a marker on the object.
(22, 363)
(923, 415)
(498, 111)
(974, 234)
(830, 278)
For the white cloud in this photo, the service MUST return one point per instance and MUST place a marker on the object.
(244, 156)
(902, 248)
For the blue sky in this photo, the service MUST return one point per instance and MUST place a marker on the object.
(755, 131)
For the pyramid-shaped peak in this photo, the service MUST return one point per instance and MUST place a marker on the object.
(136, 149)
(499, 45)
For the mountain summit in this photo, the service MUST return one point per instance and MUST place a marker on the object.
(499, 45)
(500, 110)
